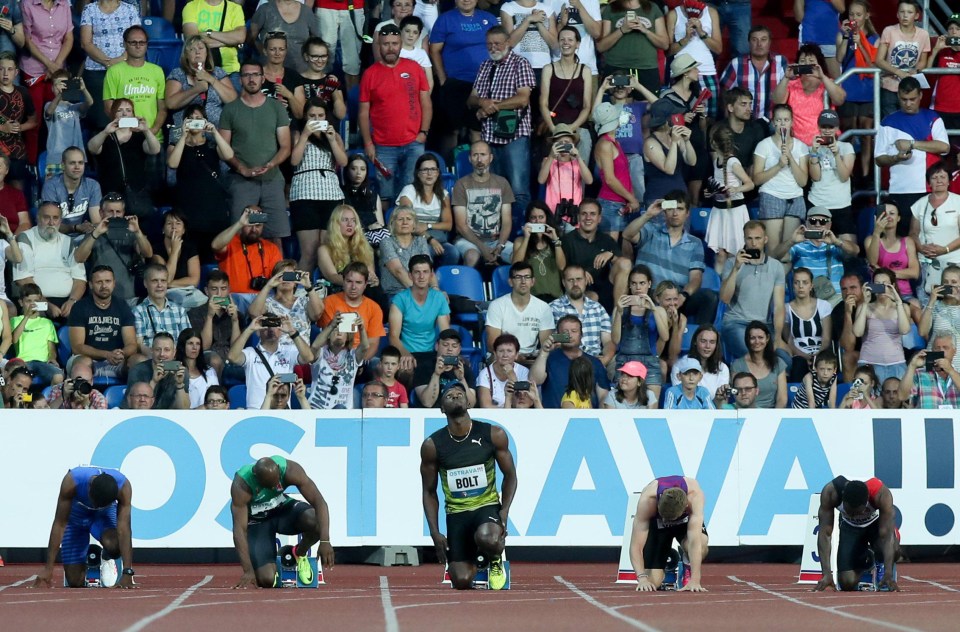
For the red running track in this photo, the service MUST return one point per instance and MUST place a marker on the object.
(581, 597)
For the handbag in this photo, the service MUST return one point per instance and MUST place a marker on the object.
(137, 202)
(505, 124)
(215, 52)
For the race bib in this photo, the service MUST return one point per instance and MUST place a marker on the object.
(264, 507)
(466, 482)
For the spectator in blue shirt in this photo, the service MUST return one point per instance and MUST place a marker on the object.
(815, 247)
(416, 314)
(552, 367)
(688, 394)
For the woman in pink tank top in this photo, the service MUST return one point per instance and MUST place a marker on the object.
(616, 190)
(886, 250)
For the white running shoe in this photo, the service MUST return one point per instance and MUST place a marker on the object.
(108, 573)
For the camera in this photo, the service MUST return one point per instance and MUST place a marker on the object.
(931, 359)
(290, 276)
(270, 321)
(257, 283)
(953, 41)
(733, 391)
(565, 148)
(521, 386)
(450, 360)
(81, 386)
(568, 212)
(753, 253)
(857, 383)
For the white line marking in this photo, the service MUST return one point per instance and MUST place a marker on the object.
(173, 605)
(389, 612)
(640, 625)
(19, 583)
(931, 582)
(839, 613)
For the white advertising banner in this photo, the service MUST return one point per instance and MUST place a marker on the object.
(575, 469)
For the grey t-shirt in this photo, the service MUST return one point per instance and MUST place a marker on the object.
(768, 385)
(754, 293)
(254, 132)
(87, 194)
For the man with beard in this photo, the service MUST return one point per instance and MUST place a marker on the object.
(101, 328)
(501, 97)
(395, 102)
(596, 332)
(258, 130)
(48, 260)
(464, 454)
(482, 211)
(245, 257)
(77, 195)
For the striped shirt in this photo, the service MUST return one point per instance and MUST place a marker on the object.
(823, 260)
(500, 81)
(150, 320)
(668, 261)
(761, 83)
(594, 319)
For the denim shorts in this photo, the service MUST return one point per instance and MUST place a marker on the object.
(611, 217)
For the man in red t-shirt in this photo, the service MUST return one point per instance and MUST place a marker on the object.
(13, 205)
(946, 94)
(395, 101)
(246, 257)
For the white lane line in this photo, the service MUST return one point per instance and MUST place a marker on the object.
(839, 613)
(18, 583)
(931, 582)
(173, 605)
(640, 625)
(389, 612)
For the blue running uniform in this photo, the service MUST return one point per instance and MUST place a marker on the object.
(85, 520)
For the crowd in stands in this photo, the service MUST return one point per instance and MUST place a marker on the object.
(298, 210)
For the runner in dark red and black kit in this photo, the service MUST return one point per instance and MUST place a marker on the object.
(866, 525)
(670, 508)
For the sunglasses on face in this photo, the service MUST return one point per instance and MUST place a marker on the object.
(818, 221)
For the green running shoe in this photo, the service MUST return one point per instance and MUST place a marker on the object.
(496, 575)
(304, 572)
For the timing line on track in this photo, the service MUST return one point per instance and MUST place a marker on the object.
(389, 612)
(616, 614)
(173, 605)
(839, 613)
(931, 582)
(18, 583)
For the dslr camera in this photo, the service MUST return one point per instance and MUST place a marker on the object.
(257, 283)
(81, 386)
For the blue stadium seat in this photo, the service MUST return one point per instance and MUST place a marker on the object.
(47, 391)
(165, 45)
(440, 161)
(462, 281)
(711, 280)
(463, 166)
(721, 310)
(115, 395)
(792, 389)
(238, 396)
(865, 220)
(205, 271)
(158, 28)
(474, 354)
(842, 389)
(698, 221)
(687, 341)
(41, 168)
(64, 350)
(501, 286)
(914, 340)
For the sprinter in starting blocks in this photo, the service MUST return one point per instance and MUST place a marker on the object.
(101, 572)
(866, 525)
(287, 562)
(481, 580)
(670, 508)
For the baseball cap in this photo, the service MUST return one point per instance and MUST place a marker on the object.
(453, 385)
(389, 29)
(953, 19)
(688, 364)
(828, 118)
(819, 211)
(634, 368)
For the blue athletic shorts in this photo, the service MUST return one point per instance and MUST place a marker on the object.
(81, 525)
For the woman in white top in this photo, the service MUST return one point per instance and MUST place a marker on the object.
(808, 325)
(701, 38)
(533, 30)
(200, 376)
(942, 314)
(936, 225)
(708, 351)
(427, 197)
(780, 170)
(493, 380)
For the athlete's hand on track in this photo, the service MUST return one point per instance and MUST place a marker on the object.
(693, 586)
(645, 585)
(440, 544)
(125, 581)
(824, 583)
(43, 579)
(326, 555)
(890, 584)
(247, 579)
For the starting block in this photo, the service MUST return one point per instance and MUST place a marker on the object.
(673, 572)
(481, 581)
(871, 578)
(287, 565)
(91, 577)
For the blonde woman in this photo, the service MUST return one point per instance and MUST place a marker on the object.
(345, 243)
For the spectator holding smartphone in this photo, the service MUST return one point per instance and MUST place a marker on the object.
(882, 319)
(492, 381)
(804, 87)
(941, 316)
(632, 34)
(166, 377)
(564, 171)
(637, 321)
(200, 376)
(830, 164)
(438, 370)
(290, 293)
(218, 321)
(270, 357)
(886, 250)
(279, 391)
(668, 154)
(522, 398)
(863, 391)
(814, 246)
(34, 335)
(932, 382)
(337, 362)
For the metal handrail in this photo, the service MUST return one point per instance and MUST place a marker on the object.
(876, 113)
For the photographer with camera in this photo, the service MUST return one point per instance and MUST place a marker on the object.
(77, 392)
(166, 376)
(931, 382)
(279, 389)
(337, 362)
(744, 392)
(245, 256)
(117, 242)
(942, 313)
(270, 357)
(437, 371)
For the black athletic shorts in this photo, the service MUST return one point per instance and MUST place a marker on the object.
(853, 545)
(660, 541)
(462, 528)
(262, 533)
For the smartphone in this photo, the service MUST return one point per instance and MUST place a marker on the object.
(631, 16)
(931, 358)
(953, 41)
(804, 69)
(705, 93)
(172, 366)
(521, 386)
(450, 360)
(128, 121)
(825, 140)
(678, 120)
(668, 204)
(323, 125)
(223, 301)
(196, 124)
(620, 80)
(813, 234)
(288, 378)
(752, 253)
(557, 337)
(40, 306)
(565, 148)
(538, 228)
(877, 288)
(880, 211)
(290, 276)
(348, 322)
(270, 322)
(945, 290)
(258, 218)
